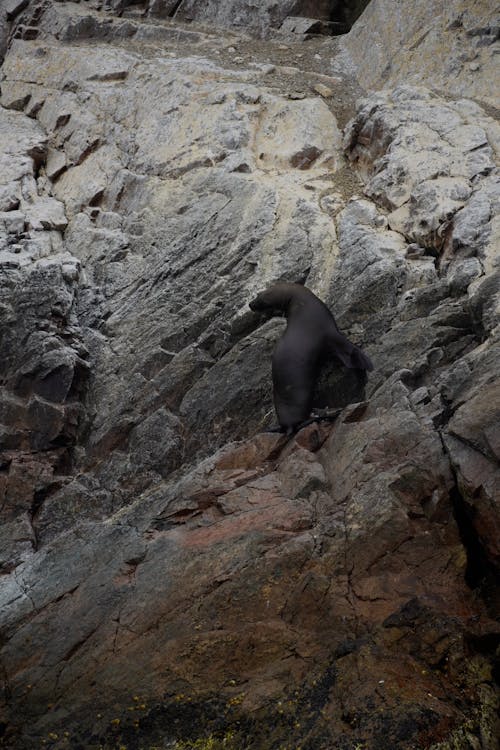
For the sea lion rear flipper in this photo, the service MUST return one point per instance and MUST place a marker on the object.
(360, 360)
(349, 354)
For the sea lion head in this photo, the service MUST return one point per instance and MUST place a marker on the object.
(276, 299)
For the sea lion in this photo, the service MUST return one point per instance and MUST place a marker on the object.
(311, 336)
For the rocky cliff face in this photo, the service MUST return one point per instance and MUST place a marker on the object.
(171, 575)
(450, 48)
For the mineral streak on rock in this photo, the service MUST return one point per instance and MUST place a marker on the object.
(172, 575)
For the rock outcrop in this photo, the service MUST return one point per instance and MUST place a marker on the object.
(260, 19)
(452, 49)
(173, 576)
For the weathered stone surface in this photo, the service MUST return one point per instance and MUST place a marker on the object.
(427, 185)
(295, 518)
(170, 574)
(303, 28)
(240, 13)
(465, 229)
(472, 443)
(8, 12)
(41, 351)
(450, 48)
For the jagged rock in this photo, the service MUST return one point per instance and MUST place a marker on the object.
(162, 585)
(300, 25)
(305, 27)
(13, 7)
(239, 506)
(56, 163)
(18, 162)
(17, 540)
(9, 201)
(13, 221)
(207, 188)
(277, 143)
(452, 51)
(259, 19)
(429, 184)
(162, 8)
(472, 442)
(46, 213)
(8, 12)
(41, 371)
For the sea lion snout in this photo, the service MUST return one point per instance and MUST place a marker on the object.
(259, 304)
(254, 304)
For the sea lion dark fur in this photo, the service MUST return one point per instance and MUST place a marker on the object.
(311, 336)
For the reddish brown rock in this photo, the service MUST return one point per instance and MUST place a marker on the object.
(251, 582)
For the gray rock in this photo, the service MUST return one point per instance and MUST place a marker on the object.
(9, 199)
(259, 19)
(236, 383)
(162, 8)
(461, 273)
(13, 7)
(13, 221)
(304, 28)
(156, 542)
(56, 163)
(156, 442)
(17, 540)
(9, 10)
(46, 213)
(450, 52)
(374, 261)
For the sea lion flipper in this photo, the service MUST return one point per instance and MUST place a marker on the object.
(349, 354)
(360, 360)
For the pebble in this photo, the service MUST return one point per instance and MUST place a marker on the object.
(324, 91)
(266, 68)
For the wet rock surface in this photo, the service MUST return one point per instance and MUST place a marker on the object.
(171, 573)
